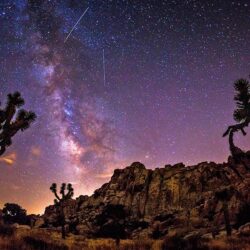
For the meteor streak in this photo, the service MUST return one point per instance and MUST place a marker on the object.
(76, 25)
(104, 67)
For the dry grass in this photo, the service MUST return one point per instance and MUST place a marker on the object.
(232, 243)
(41, 239)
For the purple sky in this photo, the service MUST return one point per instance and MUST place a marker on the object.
(168, 97)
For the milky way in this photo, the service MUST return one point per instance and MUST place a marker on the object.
(167, 96)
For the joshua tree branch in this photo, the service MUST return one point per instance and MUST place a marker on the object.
(54, 191)
(67, 195)
(56, 195)
(2, 150)
(237, 127)
(8, 127)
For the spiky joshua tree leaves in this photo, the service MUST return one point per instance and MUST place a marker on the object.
(8, 126)
(241, 113)
(66, 193)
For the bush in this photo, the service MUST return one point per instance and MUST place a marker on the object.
(178, 243)
(243, 216)
(175, 242)
(13, 213)
(6, 231)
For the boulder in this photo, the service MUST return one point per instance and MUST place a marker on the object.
(25, 227)
(18, 226)
(168, 199)
(39, 223)
(82, 229)
(207, 236)
(245, 229)
(15, 225)
(192, 235)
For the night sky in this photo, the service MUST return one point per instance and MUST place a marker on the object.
(167, 98)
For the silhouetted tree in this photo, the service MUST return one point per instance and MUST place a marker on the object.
(110, 223)
(224, 196)
(241, 114)
(60, 202)
(243, 215)
(8, 127)
(13, 213)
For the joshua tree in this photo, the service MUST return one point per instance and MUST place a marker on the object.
(14, 101)
(241, 114)
(224, 196)
(9, 128)
(60, 202)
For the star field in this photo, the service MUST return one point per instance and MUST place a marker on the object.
(168, 95)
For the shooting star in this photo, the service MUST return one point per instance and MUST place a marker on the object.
(104, 67)
(76, 25)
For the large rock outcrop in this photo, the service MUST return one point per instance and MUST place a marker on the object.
(140, 202)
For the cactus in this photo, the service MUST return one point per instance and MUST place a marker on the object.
(8, 127)
(60, 202)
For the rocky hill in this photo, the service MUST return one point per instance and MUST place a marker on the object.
(140, 202)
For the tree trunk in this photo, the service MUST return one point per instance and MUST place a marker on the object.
(63, 231)
(231, 144)
(226, 218)
(235, 151)
(63, 221)
(117, 243)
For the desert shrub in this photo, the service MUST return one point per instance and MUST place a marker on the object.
(196, 243)
(156, 234)
(145, 245)
(137, 245)
(178, 243)
(164, 217)
(135, 224)
(243, 216)
(175, 242)
(111, 230)
(13, 213)
(6, 231)
(238, 243)
(13, 243)
(111, 222)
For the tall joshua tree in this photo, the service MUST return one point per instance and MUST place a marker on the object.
(241, 113)
(224, 197)
(60, 202)
(8, 127)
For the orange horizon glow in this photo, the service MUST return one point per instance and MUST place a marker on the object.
(9, 159)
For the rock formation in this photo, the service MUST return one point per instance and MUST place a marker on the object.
(140, 202)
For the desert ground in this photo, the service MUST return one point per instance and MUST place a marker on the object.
(44, 239)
